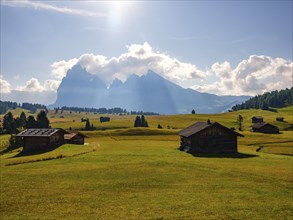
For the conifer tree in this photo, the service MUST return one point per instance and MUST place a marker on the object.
(143, 121)
(9, 123)
(22, 119)
(137, 122)
(239, 122)
(31, 122)
(42, 120)
(87, 125)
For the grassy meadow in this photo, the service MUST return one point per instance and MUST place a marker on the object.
(138, 173)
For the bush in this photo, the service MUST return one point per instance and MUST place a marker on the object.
(14, 142)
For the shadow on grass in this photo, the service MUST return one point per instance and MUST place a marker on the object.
(8, 149)
(223, 155)
(36, 152)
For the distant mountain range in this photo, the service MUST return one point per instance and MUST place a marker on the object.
(148, 93)
(44, 98)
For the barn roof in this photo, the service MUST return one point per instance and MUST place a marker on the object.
(257, 117)
(260, 125)
(39, 132)
(200, 126)
(72, 135)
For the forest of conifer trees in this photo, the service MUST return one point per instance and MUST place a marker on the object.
(274, 99)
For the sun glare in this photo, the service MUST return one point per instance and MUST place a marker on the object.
(118, 11)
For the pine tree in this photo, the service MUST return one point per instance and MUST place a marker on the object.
(17, 122)
(240, 122)
(22, 119)
(42, 120)
(193, 111)
(143, 121)
(9, 123)
(31, 122)
(87, 125)
(137, 122)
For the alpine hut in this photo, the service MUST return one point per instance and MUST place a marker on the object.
(208, 137)
(74, 138)
(36, 139)
(257, 119)
(265, 128)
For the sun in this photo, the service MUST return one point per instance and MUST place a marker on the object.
(118, 12)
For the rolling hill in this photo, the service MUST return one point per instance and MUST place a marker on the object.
(138, 173)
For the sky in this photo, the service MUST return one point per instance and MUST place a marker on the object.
(219, 47)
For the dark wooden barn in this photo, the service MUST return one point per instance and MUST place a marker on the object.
(265, 128)
(104, 119)
(205, 137)
(74, 138)
(257, 119)
(37, 139)
(280, 119)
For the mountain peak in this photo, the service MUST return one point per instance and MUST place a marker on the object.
(76, 71)
(150, 92)
(152, 73)
(116, 83)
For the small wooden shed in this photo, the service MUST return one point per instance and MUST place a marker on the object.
(207, 137)
(265, 128)
(74, 138)
(280, 119)
(37, 139)
(257, 119)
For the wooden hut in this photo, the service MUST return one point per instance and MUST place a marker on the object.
(37, 139)
(257, 119)
(207, 137)
(265, 128)
(74, 138)
(281, 119)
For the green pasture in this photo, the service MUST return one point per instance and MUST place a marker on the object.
(4, 141)
(68, 120)
(137, 173)
(67, 150)
(146, 177)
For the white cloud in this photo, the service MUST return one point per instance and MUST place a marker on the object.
(254, 76)
(37, 5)
(33, 85)
(222, 70)
(51, 85)
(138, 59)
(5, 86)
(60, 68)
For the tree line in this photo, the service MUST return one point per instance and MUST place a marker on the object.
(6, 105)
(11, 125)
(274, 99)
(115, 110)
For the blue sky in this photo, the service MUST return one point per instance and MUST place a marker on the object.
(216, 43)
